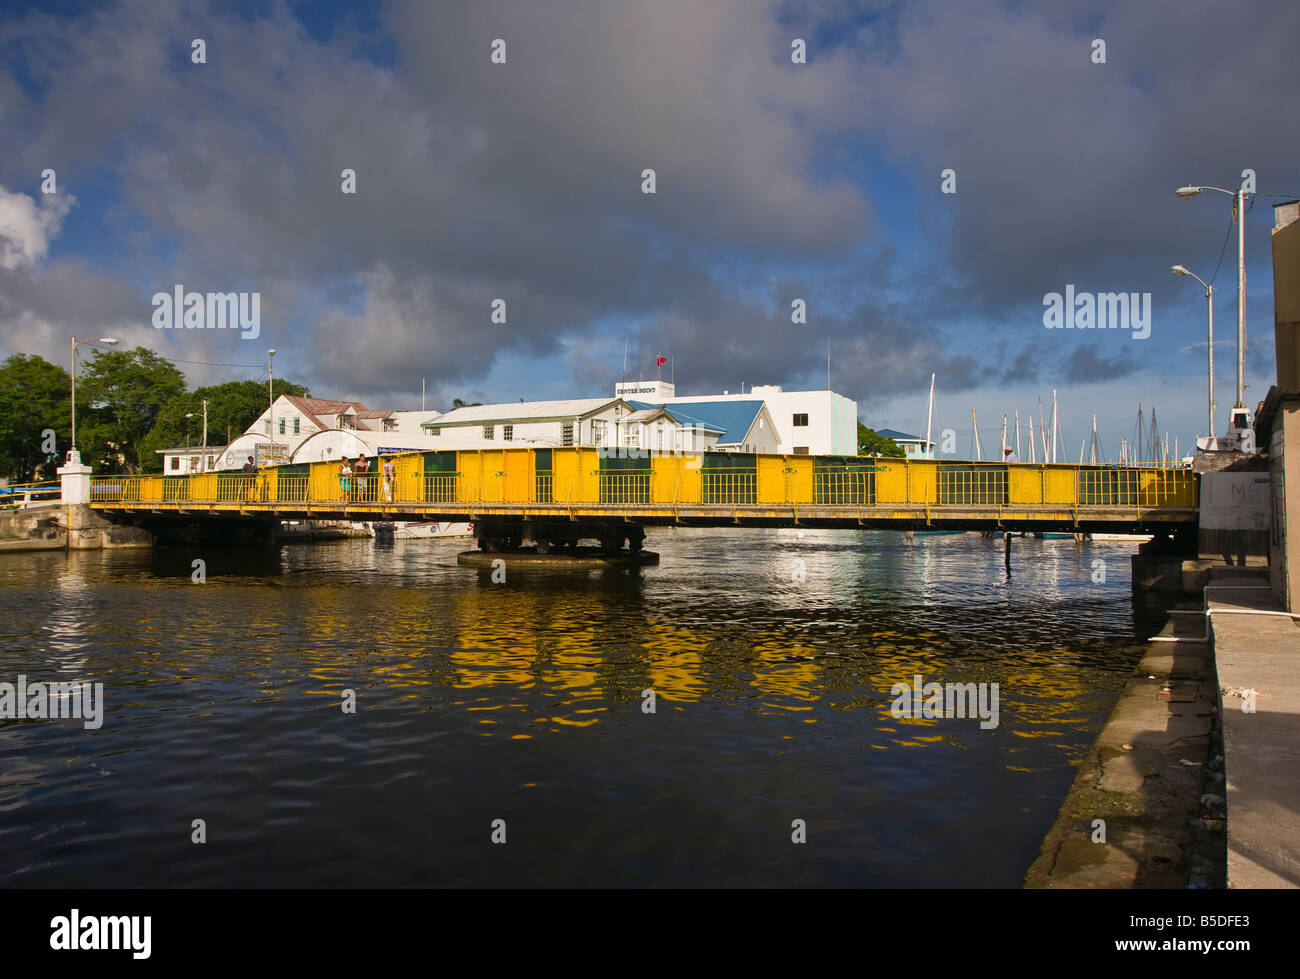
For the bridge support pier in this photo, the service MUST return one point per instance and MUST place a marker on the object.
(557, 536)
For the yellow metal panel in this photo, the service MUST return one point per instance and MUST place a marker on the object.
(922, 483)
(891, 480)
(203, 487)
(408, 475)
(665, 478)
(519, 468)
(690, 489)
(1060, 485)
(323, 482)
(799, 477)
(772, 479)
(566, 484)
(589, 475)
(1024, 484)
(151, 489)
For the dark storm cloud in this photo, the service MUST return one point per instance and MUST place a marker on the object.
(1086, 366)
(522, 181)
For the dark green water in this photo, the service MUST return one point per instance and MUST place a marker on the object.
(522, 702)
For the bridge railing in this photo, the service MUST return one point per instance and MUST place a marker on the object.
(579, 476)
(22, 495)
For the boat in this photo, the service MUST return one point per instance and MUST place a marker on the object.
(421, 529)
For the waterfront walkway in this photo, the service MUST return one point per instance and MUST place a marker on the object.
(1259, 653)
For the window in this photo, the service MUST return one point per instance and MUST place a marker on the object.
(660, 436)
(176, 462)
(347, 421)
(508, 432)
(284, 425)
(268, 426)
(566, 433)
(489, 431)
(598, 433)
(297, 425)
(390, 424)
(801, 420)
(435, 431)
(194, 464)
(210, 461)
(801, 450)
(634, 436)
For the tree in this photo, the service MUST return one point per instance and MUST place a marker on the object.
(458, 403)
(872, 443)
(232, 407)
(33, 403)
(124, 393)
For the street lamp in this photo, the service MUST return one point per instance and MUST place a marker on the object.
(270, 398)
(1239, 195)
(188, 416)
(74, 457)
(1209, 301)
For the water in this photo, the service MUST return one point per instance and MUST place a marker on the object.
(523, 701)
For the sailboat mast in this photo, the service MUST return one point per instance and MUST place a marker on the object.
(979, 451)
(929, 417)
(1053, 424)
(1094, 439)
(1017, 434)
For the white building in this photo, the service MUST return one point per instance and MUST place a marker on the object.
(183, 460)
(606, 422)
(805, 422)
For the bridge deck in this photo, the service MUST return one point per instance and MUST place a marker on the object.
(666, 488)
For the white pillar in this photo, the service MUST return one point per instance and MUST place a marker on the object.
(74, 479)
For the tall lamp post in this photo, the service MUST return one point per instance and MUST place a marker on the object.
(74, 457)
(1239, 414)
(270, 398)
(1209, 302)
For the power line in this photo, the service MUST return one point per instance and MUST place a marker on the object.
(207, 363)
(1224, 249)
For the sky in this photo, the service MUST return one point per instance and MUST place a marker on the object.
(499, 152)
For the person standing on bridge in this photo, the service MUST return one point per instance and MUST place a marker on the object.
(345, 479)
(1009, 455)
(389, 473)
(363, 483)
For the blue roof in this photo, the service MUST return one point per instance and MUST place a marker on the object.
(891, 433)
(733, 418)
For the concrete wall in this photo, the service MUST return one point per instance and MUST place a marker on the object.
(1236, 515)
(58, 527)
(38, 528)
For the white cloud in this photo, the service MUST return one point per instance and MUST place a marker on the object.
(27, 228)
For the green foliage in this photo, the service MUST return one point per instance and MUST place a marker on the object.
(872, 443)
(34, 398)
(123, 392)
(458, 403)
(232, 407)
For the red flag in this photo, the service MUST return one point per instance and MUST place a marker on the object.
(660, 361)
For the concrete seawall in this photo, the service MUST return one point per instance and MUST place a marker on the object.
(56, 527)
(1144, 779)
